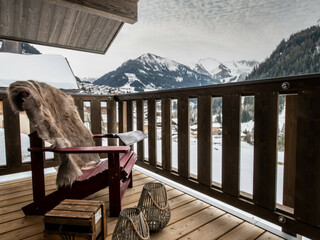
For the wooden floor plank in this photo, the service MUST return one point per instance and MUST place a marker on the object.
(244, 231)
(35, 237)
(190, 217)
(20, 223)
(174, 202)
(215, 228)
(28, 186)
(189, 224)
(187, 210)
(24, 232)
(11, 216)
(24, 192)
(23, 182)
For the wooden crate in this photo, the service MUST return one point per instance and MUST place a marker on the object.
(76, 219)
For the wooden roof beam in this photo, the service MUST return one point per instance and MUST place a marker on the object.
(120, 10)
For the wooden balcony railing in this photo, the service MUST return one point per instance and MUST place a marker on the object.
(300, 210)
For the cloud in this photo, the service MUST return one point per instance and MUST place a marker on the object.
(187, 30)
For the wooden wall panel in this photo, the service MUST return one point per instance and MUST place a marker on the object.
(68, 25)
(87, 30)
(45, 21)
(33, 20)
(56, 24)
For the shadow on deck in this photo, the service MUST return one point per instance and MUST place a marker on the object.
(191, 218)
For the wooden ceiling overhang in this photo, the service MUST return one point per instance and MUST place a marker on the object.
(84, 25)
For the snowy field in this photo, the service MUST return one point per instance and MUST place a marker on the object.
(246, 163)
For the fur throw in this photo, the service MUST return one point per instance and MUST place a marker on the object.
(54, 116)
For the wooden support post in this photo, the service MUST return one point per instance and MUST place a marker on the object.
(231, 144)
(204, 139)
(265, 149)
(114, 182)
(37, 169)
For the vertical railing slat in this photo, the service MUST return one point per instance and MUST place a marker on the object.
(231, 144)
(95, 113)
(122, 112)
(79, 104)
(183, 136)
(152, 132)
(129, 116)
(290, 150)
(204, 139)
(265, 149)
(166, 133)
(307, 192)
(12, 136)
(112, 120)
(140, 123)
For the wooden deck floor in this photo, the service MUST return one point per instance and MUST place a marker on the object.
(190, 217)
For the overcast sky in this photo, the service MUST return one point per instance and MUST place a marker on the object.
(188, 30)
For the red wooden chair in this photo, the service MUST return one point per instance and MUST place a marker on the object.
(116, 173)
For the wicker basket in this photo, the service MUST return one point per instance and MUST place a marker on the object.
(154, 204)
(131, 225)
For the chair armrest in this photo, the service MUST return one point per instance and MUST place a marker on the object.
(108, 135)
(96, 149)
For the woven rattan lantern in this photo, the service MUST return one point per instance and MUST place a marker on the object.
(131, 225)
(154, 204)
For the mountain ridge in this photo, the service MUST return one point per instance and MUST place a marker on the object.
(150, 72)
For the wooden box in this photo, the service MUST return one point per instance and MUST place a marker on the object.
(76, 219)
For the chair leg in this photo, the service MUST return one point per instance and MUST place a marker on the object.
(114, 185)
(37, 168)
(131, 181)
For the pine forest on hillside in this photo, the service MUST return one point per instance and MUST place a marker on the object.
(300, 54)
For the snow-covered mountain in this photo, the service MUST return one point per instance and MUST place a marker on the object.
(231, 71)
(150, 72)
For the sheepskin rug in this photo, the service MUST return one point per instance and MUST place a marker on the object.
(54, 116)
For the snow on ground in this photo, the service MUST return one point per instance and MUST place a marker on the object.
(246, 163)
